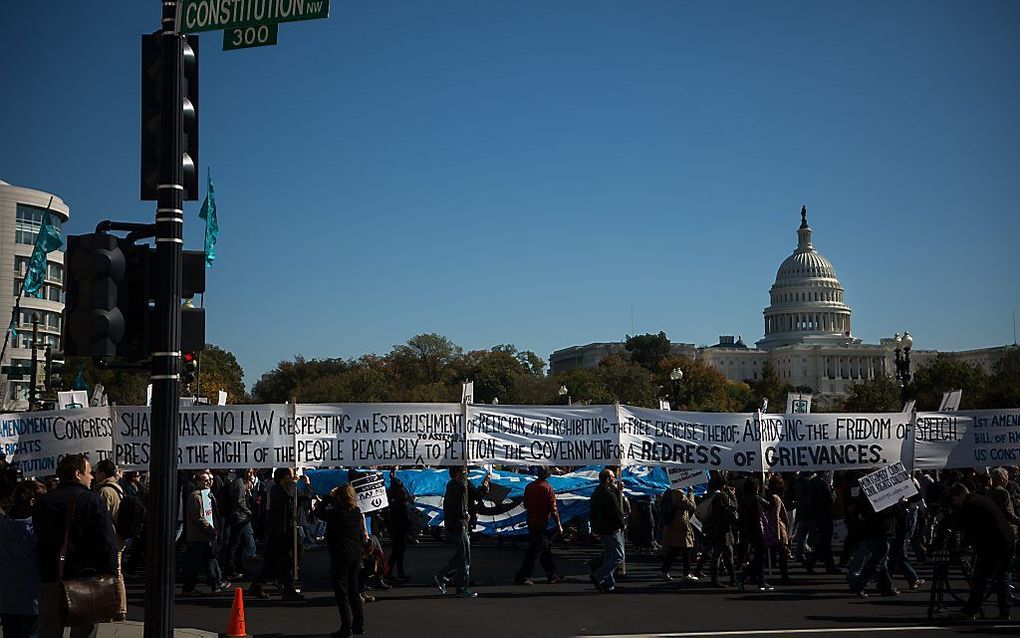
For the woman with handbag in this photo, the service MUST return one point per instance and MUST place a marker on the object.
(77, 549)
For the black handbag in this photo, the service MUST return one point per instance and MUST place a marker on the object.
(87, 599)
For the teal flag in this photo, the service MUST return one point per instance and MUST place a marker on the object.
(212, 225)
(47, 240)
(79, 380)
(14, 319)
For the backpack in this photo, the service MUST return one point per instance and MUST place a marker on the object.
(769, 519)
(666, 510)
(130, 517)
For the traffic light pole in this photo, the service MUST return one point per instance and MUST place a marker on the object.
(165, 375)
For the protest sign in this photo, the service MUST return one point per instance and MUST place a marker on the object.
(543, 435)
(360, 434)
(798, 403)
(974, 438)
(35, 442)
(950, 401)
(886, 486)
(214, 437)
(680, 478)
(72, 400)
(371, 493)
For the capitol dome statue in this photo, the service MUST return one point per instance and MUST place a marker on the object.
(807, 304)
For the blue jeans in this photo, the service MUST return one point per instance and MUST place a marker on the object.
(458, 570)
(196, 553)
(875, 565)
(898, 558)
(239, 547)
(612, 556)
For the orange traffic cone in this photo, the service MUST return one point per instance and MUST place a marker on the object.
(235, 626)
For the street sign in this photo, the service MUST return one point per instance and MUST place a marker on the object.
(261, 35)
(211, 15)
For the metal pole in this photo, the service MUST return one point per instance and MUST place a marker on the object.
(166, 359)
(33, 384)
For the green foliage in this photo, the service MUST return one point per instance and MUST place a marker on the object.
(648, 350)
(219, 370)
(881, 394)
(771, 387)
(123, 387)
(282, 383)
(944, 373)
(1004, 386)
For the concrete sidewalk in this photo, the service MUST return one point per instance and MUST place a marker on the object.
(134, 629)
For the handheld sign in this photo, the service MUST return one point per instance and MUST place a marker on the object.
(371, 493)
(680, 478)
(885, 487)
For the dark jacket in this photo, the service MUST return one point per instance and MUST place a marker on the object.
(820, 500)
(984, 524)
(607, 510)
(458, 504)
(1004, 502)
(345, 531)
(92, 543)
(280, 521)
(240, 501)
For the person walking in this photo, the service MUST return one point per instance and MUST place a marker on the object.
(675, 510)
(200, 533)
(753, 521)
(457, 508)
(19, 596)
(239, 541)
(720, 517)
(278, 562)
(346, 536)
(608, 521)
(821, 502)
(71, 510)
(989, 533)
(399, 519)
(540, 504)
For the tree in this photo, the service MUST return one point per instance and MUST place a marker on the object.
(881, 394)
(584, 385)
(361, 383)
(423, 359)
(220, 371)
(123, 387)
(629, 382)
(770, 387)
(1004, 386)
(282, 383)
(944, 373)
(648, 350)
(702, 388)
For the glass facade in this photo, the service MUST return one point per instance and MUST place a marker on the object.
(28, 221)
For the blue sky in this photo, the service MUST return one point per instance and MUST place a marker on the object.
(529, 171)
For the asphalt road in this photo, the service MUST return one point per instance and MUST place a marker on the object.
(815, 605)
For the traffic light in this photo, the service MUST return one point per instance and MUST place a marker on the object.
(54, 370)
(152, 94)
(188, 369)
(94, 324)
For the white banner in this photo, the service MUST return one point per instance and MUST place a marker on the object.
(886, 486)
(363, 434)
(36, 441)
(974, 438)
(690, 439)
(543, 435)
(213, 437)
(823, 441)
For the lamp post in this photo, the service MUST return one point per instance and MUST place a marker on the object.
(903, 345)
(676, 375)
(564, 392)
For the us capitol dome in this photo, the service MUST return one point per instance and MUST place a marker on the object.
(807, 300)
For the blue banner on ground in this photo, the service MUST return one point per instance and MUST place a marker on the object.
(508, 516)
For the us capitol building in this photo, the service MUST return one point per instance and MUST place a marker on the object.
(808, 336)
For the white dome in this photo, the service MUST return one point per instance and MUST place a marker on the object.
(806, 301)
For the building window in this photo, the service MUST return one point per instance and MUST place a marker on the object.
(28, 221)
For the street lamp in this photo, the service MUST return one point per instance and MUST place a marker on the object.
(676, 375)
(902, 345)
(565, 393)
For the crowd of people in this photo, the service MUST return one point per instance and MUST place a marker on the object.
(230, 521)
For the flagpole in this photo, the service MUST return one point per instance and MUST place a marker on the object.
(198, 371)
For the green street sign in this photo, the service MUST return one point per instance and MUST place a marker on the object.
(262, 35)
(212, 15)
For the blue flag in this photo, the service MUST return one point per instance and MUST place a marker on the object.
(212, 225)
(79, 380)
(47, 240)
(14, 319)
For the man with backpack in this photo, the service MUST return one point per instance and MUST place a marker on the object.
(719, 516)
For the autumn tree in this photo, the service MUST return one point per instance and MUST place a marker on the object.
(648, 350)
(944, 373)
(881, 394)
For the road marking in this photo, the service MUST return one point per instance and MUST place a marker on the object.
(785, 632)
